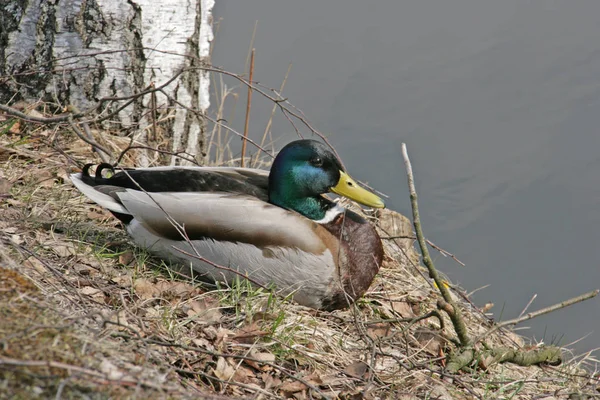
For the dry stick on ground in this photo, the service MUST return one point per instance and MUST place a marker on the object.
(248, 105)
(124, 380)
(452, 309)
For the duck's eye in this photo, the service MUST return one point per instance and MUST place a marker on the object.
(317, 162)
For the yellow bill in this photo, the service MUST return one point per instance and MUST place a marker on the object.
(347, 187)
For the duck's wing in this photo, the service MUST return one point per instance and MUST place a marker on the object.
(253, 182)
(216, 215)
(223, 217)
(103, 190)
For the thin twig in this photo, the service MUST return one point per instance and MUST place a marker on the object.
(444, 252)
(429, 242)
(89, 140)
(248, 106)
(454, 314)
(528, 305)
(545, 310)
(154, 136)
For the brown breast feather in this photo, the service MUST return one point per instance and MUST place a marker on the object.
(360, 253)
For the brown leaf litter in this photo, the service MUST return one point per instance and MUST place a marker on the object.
(82, 311)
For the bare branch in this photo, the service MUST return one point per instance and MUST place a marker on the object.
(545, 310)
(452, 309)
(248, 105)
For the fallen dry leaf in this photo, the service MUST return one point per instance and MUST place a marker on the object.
(122, 280)
(403, 308)
(35, 264)
(15, 129)
(14, 202)
(357, 369)
(83, 269)
(441, 393)
(203, 310)
(11, 230)
(223, 370)
(44, 178)
(222, 336)
(259, 359)
(89, 291)
(64, 250)
(249, 333)
(430, 341)
(314, 379)
(97, 215)
(292, 386)
(203, 343)
(243, 375)
(377, 331)
(126, 257)
(352, 396)
(145, 289)
(269, 380)
(5, 187)
(175, 289)
(110, 370)
(18, 239)
(300, 395)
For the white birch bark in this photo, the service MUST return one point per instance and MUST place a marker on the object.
(74, 52)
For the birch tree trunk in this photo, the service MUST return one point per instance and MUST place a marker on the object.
(75, 52)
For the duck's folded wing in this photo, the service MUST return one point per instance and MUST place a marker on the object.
(222, 217)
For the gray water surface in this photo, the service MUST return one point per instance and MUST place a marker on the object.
(499, 104)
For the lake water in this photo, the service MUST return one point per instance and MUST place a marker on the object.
(499, 104)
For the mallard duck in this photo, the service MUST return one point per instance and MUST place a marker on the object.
(275, 228)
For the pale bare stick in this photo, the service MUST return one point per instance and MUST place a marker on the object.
(545, 310)
(528, 305)
(248, 105)
(101, 151)
(444, 252)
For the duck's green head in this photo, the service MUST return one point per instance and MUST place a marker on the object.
(305, 169)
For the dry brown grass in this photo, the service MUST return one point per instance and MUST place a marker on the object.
(84, 314)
